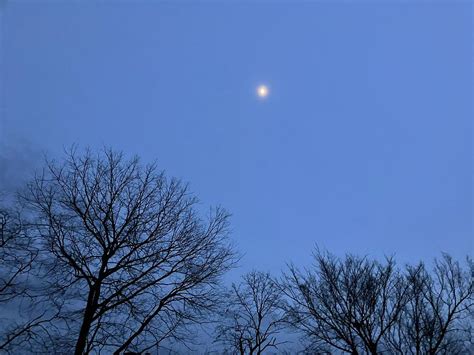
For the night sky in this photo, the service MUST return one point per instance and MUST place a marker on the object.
(363, 145)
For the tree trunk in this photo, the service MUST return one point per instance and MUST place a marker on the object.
(373, 349)
(92, 299)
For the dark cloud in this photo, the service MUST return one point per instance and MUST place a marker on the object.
(18, 161)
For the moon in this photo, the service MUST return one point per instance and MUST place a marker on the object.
(262, 91)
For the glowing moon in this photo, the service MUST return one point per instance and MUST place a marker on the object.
(262, 91)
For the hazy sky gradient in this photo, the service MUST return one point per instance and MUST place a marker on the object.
(364, 144)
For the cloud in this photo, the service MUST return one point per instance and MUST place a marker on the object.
(18, 161)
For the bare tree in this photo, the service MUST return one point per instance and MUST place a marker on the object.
(253, 317)
(347, 305)
(24, 315)
(435, 319)
(128, 250)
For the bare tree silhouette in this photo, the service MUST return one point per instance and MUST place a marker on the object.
(25, 315)
(128, 248)
(347, 305)
(356, 305)
(253, 316)
(435, 319)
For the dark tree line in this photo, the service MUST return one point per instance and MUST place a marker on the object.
(361, 306)
(102, 254)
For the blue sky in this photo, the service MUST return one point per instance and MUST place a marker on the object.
(364, 144)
